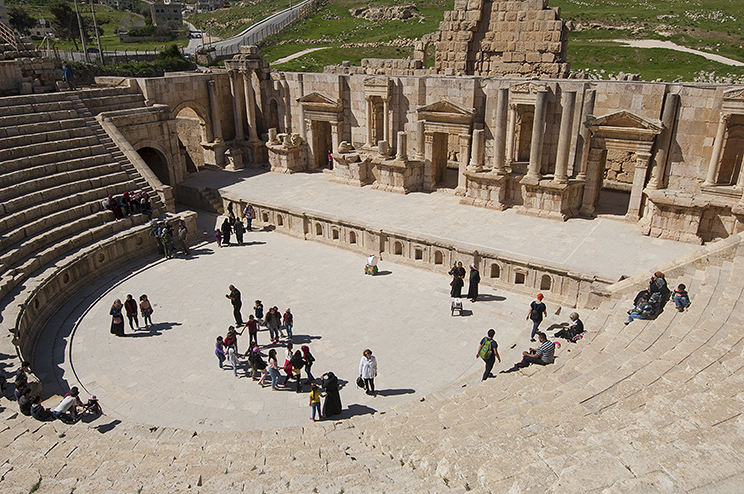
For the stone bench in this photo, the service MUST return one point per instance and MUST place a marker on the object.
(19, 129)
(38, 173)
(29, 118)
(46, 147)
(6, 111)
(35, 179)
(47, 157)
(10, 143)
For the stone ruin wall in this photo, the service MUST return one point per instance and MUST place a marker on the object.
(503, 38)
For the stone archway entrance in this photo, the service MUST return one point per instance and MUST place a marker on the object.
(447, 133)
(323, 125)
(191, 134)
(624, 132)
(157, 163)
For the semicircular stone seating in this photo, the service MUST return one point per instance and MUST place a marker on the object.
(654, 406)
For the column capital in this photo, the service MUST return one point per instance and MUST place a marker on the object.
(513, 106)
(725, 117)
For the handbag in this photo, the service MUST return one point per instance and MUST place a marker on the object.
(118, 320)
(360, 382)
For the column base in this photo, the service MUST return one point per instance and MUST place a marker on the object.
(486, 190)
(547, 199)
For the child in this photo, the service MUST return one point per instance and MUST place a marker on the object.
(232, 356)
(145, 309)
(93, 406)
(218, 237)
(681, 298)
(288, 321)
(258, 310)
(315, 395)
(219, 350)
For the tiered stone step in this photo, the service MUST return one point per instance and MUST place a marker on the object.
(111, 99)
(55, 172)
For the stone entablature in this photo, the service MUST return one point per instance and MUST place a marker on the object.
(518, 38)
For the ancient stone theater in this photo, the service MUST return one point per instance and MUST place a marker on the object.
(498, 125)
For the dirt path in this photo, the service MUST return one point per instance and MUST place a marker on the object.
(651, 43)
(298, 55)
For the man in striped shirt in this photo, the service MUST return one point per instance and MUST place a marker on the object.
(542, 355)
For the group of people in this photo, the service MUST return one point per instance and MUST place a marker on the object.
(130, 306)
(650, 302)
(274, 321)
(458, 281)
(131, 202)
(231, 224)
(166, 235)
(28, 395)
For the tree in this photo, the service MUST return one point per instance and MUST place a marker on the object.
(66, 26)
(21, 20)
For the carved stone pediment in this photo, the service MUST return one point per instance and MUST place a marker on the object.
(317, 102)
(734, 94)
(625, 119)
(529, 87)
(377, 81)
(446, 111)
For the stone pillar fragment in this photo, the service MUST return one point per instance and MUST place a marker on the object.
(663, 142)
(639, 178)
(511, 133)
(584, 136)
(538, 136)
(568, 100)
(715, 158)
(500, 137)
(386, 116)
(401, 153)
(370, 119)
(476, 153)
(215, 112)
(250, 106)
(420, 140)
(237, 107)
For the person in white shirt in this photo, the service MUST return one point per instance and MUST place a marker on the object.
(69, 403)
(368, 371)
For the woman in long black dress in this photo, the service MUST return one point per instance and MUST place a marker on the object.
(117, 320)
(473, 285)
(332, 403)
(458, 275)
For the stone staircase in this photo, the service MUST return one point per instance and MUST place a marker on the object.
(56, 166)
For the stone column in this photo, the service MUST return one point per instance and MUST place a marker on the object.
(663, 142)
(370, 119)
(500, 137)
(584, 137)
(740, 180)
(215, 112)
(249, 105)
(237, 107)
(206, 133)
(715, 158)
(420, 140)
(511, 133)
(287, 107)
(476, 153)
(428, 166)
(538, 136)
(568, 100)
(303, 128)
(401, 154)
(639, 178)
(593, 181)
(464, 157)
(335, 136)
(386, 114)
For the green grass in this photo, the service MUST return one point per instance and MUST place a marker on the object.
(232, 20)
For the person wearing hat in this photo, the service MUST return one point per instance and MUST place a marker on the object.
(536, 313)
(473, 283)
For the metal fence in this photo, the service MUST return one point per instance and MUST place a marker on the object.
(114, 57)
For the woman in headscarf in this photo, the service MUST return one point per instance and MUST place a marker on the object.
(117, 320)
(458, 274)
(473, 283)
(332, 403)
(226, 231)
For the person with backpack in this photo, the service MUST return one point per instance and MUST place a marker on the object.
(488, 351)
(536, 313)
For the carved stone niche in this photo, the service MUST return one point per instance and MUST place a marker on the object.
(324, 118)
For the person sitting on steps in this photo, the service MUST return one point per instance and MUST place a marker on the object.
(542, 355)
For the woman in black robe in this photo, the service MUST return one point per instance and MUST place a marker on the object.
(226, 231)
(473, 283)
(117, 319)
(332, 403)
(458, 274)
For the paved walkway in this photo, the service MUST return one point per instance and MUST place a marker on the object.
(606, 247)
(298, 55)
(168, 376)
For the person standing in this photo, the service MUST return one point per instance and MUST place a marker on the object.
(145, 309)
(117, 320)
(288, 322)
(232, 356)
(252, 326)
(473, 283)
(332, 404)
(68, 75)
(258, 311)
(131, 307)
(237, 304)
(183, 237)
(239, 229)
(458, 275)
(273, 322)
(274, 370)
(219, 350)
(166, 236)
(368, 371)
(308, 358)
(536, 313)
(226, 230)
(248, 213)
(488, 350)
(315, 402)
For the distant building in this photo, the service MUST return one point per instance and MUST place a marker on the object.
(208, 5)
(41, 31)
(117, 4)
(163, 13)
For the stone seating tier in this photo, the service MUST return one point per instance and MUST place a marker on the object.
(99, 103)
(46, 158)
(40, 177)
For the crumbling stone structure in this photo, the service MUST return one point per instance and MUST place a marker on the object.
(503, 38)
